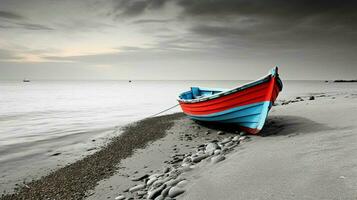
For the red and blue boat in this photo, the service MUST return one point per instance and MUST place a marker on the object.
(246, 106)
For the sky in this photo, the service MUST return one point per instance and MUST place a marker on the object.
(177, 39)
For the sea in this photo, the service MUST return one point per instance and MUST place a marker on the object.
(45, 125)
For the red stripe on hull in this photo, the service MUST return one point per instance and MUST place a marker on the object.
(267, 91)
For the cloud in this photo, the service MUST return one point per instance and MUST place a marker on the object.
(132, 8)
(255, 20)
(10, 15)
(144, 21)
(268, 7)
(16, 21)
(27, 26)
(6, 55)
(34, 27)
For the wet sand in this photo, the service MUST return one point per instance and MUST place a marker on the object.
(74, 180)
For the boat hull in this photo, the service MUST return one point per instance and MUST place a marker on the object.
(246, 107)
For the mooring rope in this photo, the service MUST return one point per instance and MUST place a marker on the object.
(164, 110)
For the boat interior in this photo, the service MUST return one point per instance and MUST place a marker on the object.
(196, 93)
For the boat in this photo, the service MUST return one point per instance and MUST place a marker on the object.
(26, 80)
(245, 106)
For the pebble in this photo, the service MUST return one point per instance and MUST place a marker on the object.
(120, 197)
(220, 133)
(173, 182)
(140, 178)
(235, 138)
(187, 160)
(137, 187)
(182, 183)
(229, 144)
(165, 192)
(216, 152)
(154, 175)
(150, 181)
(166, 169)
(152, 194)
(242, 133)
(226, 140)
(186, 168)
(157, 183)
(211, 147)
(185, 164)
(199, 158)
(217, 159)
(242, 138)
(141, 193)
(232, 146)
(160, 197)
(175, 191)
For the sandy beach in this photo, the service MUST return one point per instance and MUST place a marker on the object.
(178, 100)
(306, 152)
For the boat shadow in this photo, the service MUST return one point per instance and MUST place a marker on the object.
(279, 125)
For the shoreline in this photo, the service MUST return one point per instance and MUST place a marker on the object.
(165, 150)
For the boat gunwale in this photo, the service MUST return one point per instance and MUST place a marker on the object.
(233, 90)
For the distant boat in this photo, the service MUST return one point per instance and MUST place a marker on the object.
(129, 81)
(26, 80)
(246, 106)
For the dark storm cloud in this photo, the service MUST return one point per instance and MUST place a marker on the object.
(249, 18)
(16, 21)
(274, 8)
(10, 15)
(130, 8)
(282, 8)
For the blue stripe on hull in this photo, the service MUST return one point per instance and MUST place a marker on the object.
(250, 116)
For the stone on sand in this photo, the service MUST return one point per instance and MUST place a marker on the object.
(152, 194)
(175, 191)
(151, 181)
(160, 197)
(226, 140)
(141, 193)
(220, 133)
(198, 158)
(242, 133)
(137, 188)
(228, 144)
(216, 152)
(120, 197)
(165, 192)
(173, 182)
(140, 178)
(211, 147)
(166, 169)
(217, 159)
(235, 138)
(182, 183)
(242, 138)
